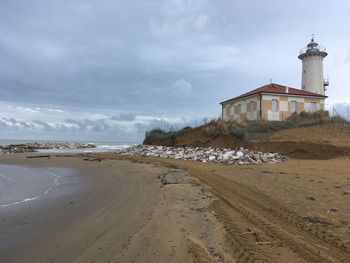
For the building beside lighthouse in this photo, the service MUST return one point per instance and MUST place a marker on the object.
(276, 102)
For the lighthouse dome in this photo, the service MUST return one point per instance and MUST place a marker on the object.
(312, 46)
(312, 49)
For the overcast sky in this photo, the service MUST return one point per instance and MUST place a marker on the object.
(110, 70)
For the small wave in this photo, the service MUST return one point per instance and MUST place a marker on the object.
(113, 147)
(98, 148)
(56, 182)
(56, 177)
(21, 201)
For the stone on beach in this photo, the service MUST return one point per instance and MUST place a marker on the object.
(217, 155)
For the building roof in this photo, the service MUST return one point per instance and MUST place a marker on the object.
(277, 89)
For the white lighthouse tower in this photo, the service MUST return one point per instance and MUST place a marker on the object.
(312, 75)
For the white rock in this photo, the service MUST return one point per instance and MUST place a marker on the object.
(239, 154)
(243, 156)
(212, 158)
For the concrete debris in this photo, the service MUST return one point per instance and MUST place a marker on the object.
(212, 155)
(33, 147)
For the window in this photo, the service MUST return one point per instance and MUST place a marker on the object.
(313, 107)
(274, 105)
(293, 106)
(251, 106)
(230, 110)
(238, 109)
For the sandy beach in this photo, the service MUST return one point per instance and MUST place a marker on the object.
(133, 209)
(121, 214)
(293, 211)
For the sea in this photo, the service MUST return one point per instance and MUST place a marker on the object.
(100, 146)
(22, 185)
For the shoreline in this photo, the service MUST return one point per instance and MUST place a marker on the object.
(145, 209)
(122, 205)
(23, 184)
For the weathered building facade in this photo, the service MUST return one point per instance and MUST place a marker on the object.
(272, 102)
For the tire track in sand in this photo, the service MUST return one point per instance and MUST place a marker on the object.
(313, 243)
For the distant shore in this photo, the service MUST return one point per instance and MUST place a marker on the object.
(9, 147)
(35, 146)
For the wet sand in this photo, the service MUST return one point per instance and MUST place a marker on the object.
(21, 184)
(137, 209)
(122, 214)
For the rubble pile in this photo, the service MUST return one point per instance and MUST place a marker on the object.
(215, 155)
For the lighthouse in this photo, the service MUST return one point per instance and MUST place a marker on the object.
(312, 71)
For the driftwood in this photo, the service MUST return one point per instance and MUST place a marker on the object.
(39, 156)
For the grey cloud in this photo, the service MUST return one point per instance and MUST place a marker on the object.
(183, 87)
(43, 124)
(89, 125)
(87, 53)
(176, 58)
(11, 123)
(85, 125)
(124, 117)
(162, 124)
(78, 125)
